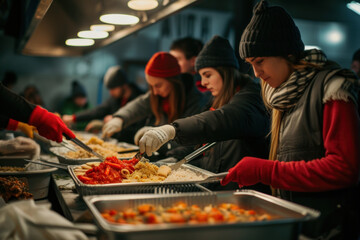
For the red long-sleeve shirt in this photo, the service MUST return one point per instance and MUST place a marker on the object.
(340, 166)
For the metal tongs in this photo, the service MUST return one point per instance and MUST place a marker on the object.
(84, 146)
(192, 156)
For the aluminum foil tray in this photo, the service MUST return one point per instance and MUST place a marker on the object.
(142, 187)
(60, 152)
(285, 225)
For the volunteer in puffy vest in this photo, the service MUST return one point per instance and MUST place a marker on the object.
(172, 95)
(236, 102)
(315, 138)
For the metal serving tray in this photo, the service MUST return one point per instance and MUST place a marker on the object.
(60, 152)
(142, 187)
(285, 225)
(38, 179)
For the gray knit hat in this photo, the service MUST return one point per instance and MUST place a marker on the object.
(271, 32)
(216, 53)
(115, 77)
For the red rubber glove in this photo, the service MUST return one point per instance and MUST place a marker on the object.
(49, 125)
(249, 171)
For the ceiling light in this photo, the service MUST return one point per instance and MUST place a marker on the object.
(79, 42)
(102, 27)
(119, 19)
(355, 6)
(334, 36)
(142, 5)
(93, 34)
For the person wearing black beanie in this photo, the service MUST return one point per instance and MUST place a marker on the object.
(315, 133)
(236, 112)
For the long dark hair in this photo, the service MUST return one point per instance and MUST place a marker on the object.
(176, 100)
(233, 80)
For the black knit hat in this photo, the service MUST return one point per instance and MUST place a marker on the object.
(115, 77)
(77, 90)
(271, 32)
(216, 53)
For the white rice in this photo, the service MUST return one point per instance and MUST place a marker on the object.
(182, 174)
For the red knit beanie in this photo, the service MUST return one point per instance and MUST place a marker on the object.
(162, 64)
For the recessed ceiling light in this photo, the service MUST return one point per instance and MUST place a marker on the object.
(93, 34)
(119, 19)
(142, 5)
(355, 6)
(79, 42)
(102, 27)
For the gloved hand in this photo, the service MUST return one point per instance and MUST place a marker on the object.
(27, 129)
(249, 171)
(111, 127)
(140, 133)
(94, 126)
(20, 145)
(68, 119)
(155, 138)
(49, 125)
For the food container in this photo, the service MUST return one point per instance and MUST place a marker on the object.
(60, 153)
(286, 223)
(141, 187)
(38, 179)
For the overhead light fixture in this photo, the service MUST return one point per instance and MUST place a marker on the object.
(79, 42)
(355, 6)
(143, 5)
(334, 36)
(93, 34)
(102, 27)
(119, 19)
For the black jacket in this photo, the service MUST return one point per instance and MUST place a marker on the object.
(140, 110)
(13, 106)
(240, 128)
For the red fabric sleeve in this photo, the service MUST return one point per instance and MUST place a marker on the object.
(340, 166)
(12, 125)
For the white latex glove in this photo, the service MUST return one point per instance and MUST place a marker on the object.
(111, 127)
(140, 133)
(20, 145)
(155, 138)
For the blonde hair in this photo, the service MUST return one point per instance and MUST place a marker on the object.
(276, 115)
(176, 100)
(232, 81)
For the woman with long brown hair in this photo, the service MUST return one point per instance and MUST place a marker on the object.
(172, 95)
(236, 112)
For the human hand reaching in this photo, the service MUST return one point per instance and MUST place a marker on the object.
(154, 138)
(111, 127)
(249, 171)
(140, 133)
(49, 125)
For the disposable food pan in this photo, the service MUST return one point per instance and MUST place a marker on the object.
(60, 153)
(142, 187)
(38, 178)
(285, 224)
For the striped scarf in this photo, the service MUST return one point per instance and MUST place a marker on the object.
(289, 92)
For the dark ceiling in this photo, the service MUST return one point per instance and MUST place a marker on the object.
(63, 18)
